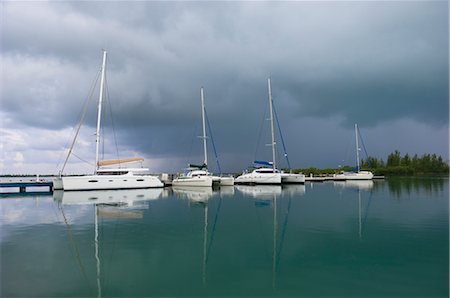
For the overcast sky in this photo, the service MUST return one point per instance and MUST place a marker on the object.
(383, 65)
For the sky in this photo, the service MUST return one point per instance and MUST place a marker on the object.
(383, 65)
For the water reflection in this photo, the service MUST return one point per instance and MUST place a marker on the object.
(196, 242)
(260, 191)
(294, 189)
(193, 193)
(200, 197)
(127, 197)
(355, 184)
(401, 186)
(117, 204)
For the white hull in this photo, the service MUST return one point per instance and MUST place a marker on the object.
(361, 175)
(259, 178)
(226, 181)
(104, 182)
(202, 181)
(292, 178)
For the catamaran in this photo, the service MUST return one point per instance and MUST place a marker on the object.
(267, 172)
(105, 177)
(358, 175)
(198, 175)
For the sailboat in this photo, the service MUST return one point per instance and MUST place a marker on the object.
(358, 175)
(198, 175)
(105, 177)
(267, 172)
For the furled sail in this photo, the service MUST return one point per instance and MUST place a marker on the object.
(110, 162)
(265, 163)
(200, 167)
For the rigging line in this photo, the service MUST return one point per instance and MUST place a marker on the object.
(192, 143)
(283, 233)
(281, 136)
(260, 130)
(108, 100)
(88, 162)
(213, 229)
(213, 144)
(347, 152)
(362, 142)
(80, 113)
(75, 247)
(81, 121)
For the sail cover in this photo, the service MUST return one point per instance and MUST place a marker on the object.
(262, 162)
(110, 162)
(192, 166)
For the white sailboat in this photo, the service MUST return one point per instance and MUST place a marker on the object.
(104, 177)
(199, 175)
(269, 174)
(358, 175)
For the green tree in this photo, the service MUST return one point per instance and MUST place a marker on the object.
(406, 160)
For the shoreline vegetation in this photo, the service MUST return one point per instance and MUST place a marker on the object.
(396, 165)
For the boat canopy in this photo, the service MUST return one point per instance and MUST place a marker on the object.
(110, 162)
(192, 166)
(265, 163)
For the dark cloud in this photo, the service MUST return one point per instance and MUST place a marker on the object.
(338, 62)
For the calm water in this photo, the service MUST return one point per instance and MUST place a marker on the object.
(379, 239)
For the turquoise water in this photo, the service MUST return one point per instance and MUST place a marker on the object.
(379, 239)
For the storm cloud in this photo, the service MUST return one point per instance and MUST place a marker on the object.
(332, 64)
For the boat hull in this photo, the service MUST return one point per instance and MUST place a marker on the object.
(253, 178)
(103, 182)
(198, 181)
(226, 181)
(292, 178)
(361, 175)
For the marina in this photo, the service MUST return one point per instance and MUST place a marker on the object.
(145, 149)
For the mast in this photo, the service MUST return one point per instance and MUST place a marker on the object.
(204, 128)
(357, 147)
(99, 115)
(271, 125)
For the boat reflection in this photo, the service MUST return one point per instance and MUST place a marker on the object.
(128, 197)
(123, 204)
(226, 191)
(194, 194)
(355, 184)
(294, 189)
(260, 191)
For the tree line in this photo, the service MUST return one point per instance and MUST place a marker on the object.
(398, 164)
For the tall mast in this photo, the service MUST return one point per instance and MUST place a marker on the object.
(205, 151)
(99, 115)
(274, 166)
(357, 146)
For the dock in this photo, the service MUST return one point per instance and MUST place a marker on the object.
(23, 186)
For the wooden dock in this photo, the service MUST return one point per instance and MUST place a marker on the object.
(22, 186)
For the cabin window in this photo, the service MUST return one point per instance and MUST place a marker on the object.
(92, 181)
(139, 179)
(113, 173)
(125, 180)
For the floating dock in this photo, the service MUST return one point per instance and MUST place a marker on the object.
(23, 186)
